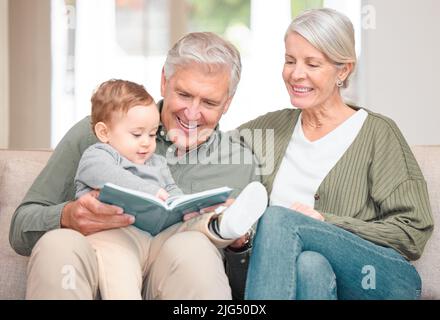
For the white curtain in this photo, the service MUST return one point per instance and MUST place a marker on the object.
(95, 50)
(261, 88)
(63, 108)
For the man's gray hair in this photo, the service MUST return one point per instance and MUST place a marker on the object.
(329, 31)
(205, 48)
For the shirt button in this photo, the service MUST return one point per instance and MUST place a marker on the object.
(162, 133)
(170, 149)
(243, 261)
(317, 197)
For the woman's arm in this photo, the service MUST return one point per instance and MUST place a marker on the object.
(397, 193)
(405, 224)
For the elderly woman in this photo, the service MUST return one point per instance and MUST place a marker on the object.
(349, 204)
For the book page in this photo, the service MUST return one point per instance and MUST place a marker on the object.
(139, 194)
(171, 199)
(191, 197)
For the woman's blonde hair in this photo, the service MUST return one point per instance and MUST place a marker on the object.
(329, 31)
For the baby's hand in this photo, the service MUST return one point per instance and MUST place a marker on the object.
(162, 194)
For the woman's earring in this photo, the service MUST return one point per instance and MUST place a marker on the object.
(339, 83)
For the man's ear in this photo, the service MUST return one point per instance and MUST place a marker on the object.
(163, 81)
(102, 132)
(227, 104)
(345, 71)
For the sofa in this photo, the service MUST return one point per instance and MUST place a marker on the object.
(18, 169)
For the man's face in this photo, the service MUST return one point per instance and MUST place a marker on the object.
(195, 98)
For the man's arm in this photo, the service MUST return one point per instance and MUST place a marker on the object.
(40, 210)
(48, 201)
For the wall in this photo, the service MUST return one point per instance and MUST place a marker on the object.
(178, 20)
(400, 72)
(4, 75)
(402, 66)
(30, 73)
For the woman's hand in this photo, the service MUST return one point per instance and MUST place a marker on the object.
(306, 210)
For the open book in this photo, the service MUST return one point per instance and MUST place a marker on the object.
(154, 215)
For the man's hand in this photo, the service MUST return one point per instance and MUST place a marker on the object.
(88, 215)
(240, 242)
(189, 216)
(306, 210)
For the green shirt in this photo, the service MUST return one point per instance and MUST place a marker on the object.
(376, 190)
(213, 164)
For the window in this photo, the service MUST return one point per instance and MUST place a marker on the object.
(218, 16)
(300, 5)
(142, 27)
(94, 41)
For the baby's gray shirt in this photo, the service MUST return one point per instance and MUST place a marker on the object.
(101, 163)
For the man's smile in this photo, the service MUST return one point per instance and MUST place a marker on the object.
(188, 126)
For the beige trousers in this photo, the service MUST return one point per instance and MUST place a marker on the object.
(181, 262)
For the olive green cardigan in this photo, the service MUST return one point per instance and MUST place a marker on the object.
(376, 190)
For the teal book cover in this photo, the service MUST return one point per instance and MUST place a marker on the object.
(154, 215)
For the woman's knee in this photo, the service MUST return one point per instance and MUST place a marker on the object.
(313, 266)
(310, 262)
(316, 278)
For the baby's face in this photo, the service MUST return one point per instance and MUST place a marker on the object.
(133, 134)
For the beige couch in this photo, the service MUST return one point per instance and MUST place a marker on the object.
(19, 168)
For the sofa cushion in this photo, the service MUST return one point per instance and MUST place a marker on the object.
(428, 265)
(17, 175)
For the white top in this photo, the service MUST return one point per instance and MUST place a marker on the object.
(306, 164)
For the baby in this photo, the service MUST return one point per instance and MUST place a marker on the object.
(125, 120)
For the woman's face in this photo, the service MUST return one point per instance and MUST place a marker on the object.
(310, 77)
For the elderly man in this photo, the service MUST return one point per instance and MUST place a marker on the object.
(199, 79)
